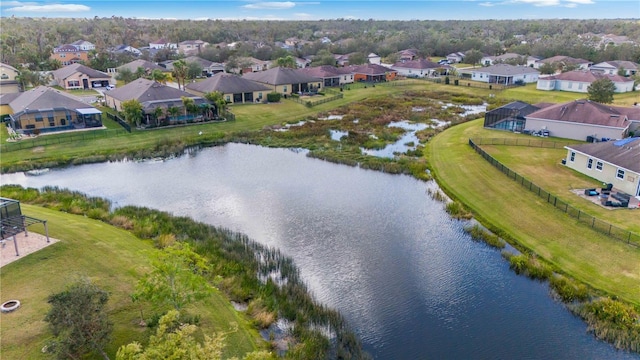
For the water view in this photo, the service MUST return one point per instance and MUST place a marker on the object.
(374, 246)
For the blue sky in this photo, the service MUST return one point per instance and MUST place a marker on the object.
(334, 9)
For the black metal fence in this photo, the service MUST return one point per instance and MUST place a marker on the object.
(589, 220)
(311, 102)
(528, 142)
(119, 120)
(61, 139)
(466, 82)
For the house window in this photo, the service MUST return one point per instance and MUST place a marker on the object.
(570, 85)
(52, 122)
(63, 122)
(590, 164)
(259, 95)
(39, 118)
(580, 86)
(572, 158)
(599, 165)
(284, 88)
(5, 76)
(620, 174)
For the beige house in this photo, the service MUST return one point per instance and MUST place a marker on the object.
(9, 79)
(285, 81)
(234, 88)
(612, 162)
(580, 80)
(78, 76)
(45, 109)
(580, 120)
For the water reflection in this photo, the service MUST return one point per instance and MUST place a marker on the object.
(374, 246)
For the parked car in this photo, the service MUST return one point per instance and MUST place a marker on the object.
(109, 87)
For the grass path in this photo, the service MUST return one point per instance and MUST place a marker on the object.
(114, 259)
(500, 203)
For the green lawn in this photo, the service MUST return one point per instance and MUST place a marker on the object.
(114, 259)
(501, 203)
(544, 168)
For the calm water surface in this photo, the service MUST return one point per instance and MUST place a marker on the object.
(374, 246)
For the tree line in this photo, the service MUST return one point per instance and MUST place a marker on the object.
(30, 41)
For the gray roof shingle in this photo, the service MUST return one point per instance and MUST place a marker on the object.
(69, 70)
(507, 70)
(584, 112)
(226, 84)
(625, 156)
(44, 97)
(147, 90)
(280, 76)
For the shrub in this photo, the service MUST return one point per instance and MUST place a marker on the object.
(457, 211)
(273, 97)
(164, 240)
(613, 321)
(479, 234)
(568, 289)
(528, 265)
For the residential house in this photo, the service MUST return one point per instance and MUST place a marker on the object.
(505, 74)
(532, 60)
(250, 64)
(302, 63)
(69, 54)
(163, 44)
(611, 162)
(126, 49)
(235, 89)
(633, 114)
(83, 45)
(9, 79)
(580, 64)
(629, 68)
(296, 43)
(372, 73)
(45, 109)
(331, 76)
(285, 81)
(191, 47)
(373, 58)
(342, 59)
(154, 95)
(510, 117)
(5, 109)
(407, 54)
(456, 57)
(579, 81)
(78, 76)
(146, 65)
(580, 120)
(208, 67)
(491, 60)
(418, 68)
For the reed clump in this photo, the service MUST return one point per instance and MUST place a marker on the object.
(480, 234)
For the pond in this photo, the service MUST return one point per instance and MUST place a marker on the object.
(376, 247)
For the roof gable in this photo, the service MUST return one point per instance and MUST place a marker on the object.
(588, 76)
(226, 84)
(145, 90)
(624, 154)
(280, 76)
(44, 97)
(69, 70)
(583, 112)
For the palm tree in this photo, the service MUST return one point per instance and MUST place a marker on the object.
(188, 104)
(157, 112)
(180, 71)
(173, 111)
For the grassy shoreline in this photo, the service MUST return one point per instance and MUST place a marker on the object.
(571, 249)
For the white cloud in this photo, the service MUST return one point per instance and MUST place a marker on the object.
(16, 3)
(50, 8)
(270, 5)
(487, 4)
(582, 2)
(571, 5)
(539, 2)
